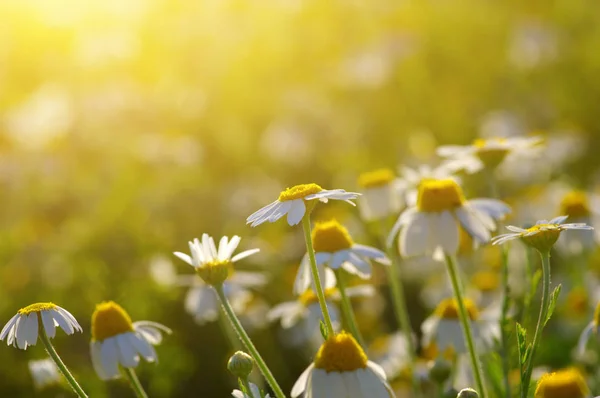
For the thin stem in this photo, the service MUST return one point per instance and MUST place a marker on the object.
(134, 382)
(504, 323)
(347, 308)
(526, 377)
(464, 320)
(246, 383)
(315, 274)
(235, 322)
(59, 363)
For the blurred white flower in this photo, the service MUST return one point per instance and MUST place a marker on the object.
(44, 373)
(391, 352)
(531, 45)
(255, 391)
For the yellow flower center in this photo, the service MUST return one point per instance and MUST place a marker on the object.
(436, 196)
(597, 315)
(448, 309)
(575, 204)
(567, 383)
(376, 178)
(310, 297)
(37, 307)
(299, 192)
(330, 237)
(544, 238)
(486, 281)
(340, 353)
(108, 320)
(491, 151)
(431, 352)
(577, 302)
(215, 272)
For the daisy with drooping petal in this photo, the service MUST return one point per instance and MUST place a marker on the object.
(542, 236)
(381, 196)
(440, 212)
(22, 329)
(335, 248)
(341, 369)
(301, 317)
(444, 329)
(566, 383)
(294, 201)
(492, 151)
(119, 342)
(214, 265)
(44, 373)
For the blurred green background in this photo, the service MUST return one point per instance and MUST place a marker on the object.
(130, 127)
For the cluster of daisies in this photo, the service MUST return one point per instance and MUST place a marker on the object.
(422, 219)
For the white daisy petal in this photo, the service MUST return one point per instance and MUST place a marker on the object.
(95, 348)
(558, 220)
(368, 251)
(296, 212)
(473, 225)
(9, 325)
(127, 355)
(31, 331)
(414, 236)
(109, 357)
(48, 322)
(300, 385)
(244, 254)
(448, 233)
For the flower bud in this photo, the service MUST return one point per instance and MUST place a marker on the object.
(439, 370)
(240, 364)
(467, 393)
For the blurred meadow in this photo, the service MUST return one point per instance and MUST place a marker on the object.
(128, 128)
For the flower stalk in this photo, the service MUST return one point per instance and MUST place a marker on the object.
(347, 308)
(464, 320)
(237, 325)
(134, 382)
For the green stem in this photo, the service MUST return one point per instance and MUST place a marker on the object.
(134, 382)
(347, 308)
(59, 363)
(315, 274)
(235, 322)
(246, 383)
(526, 377)
(464, 320)
(504, 323)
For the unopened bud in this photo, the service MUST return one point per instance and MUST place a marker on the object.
(240, 364)
(467, 393)
(439, 370)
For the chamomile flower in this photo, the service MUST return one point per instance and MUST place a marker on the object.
(440, 212)
(254, 390)
(214, 265)
(542, 236)
(44, 373)
(22, 329)
(583, 208)
(392, 353)
(381, 196)
(490, 152)
(566, 383)
(341, 369)
(302, 315)
(335, 248)
(294, 201)
(444, 329)
(410, 179)
(117, 341)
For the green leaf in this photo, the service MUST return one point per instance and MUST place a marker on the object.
(552, 303)
(535, 282)
(521, 342)
(323, 329)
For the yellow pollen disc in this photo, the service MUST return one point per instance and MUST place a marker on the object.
(448, 309)
(486, 281)
(481, 143)
(597, 315)
(567, 383)
(489, 152)
(299, 192)
(215, 273)
(340, 353)
(37, 307)
(376, 178)
(310, 297)
(543, 239)
(436, 196)
(108, 320)
(575, 204)
(330, 237)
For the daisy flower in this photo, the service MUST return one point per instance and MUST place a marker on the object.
(391, 352)
(542, 236)
(563, 383)
(335, 248)
(254, 390)
(294, 201)
(444, 329)
(440, 212)
(303, 314)
(117, 341)
(214, 265)
(490, 152)
(44, 373)
(381, 196)
(341, 369)
(410, 178)
(22, 329)
(582, 208)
